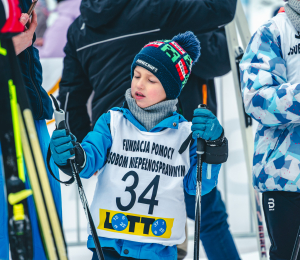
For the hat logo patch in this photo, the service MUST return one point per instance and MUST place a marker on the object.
(147, 65)
(171, 52)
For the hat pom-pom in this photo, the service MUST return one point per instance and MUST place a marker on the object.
(190, 43)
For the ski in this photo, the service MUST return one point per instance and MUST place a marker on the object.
(19, 226)
(296, 248)
(50, 226)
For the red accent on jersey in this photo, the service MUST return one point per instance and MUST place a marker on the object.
(13, 14)
(281, 10)
(178, 47)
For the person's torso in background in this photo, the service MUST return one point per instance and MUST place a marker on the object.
(110, 73)
(276, 158)
(290, 47)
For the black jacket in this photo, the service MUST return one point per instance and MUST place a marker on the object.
(213, 62)
(31, 69)
(104, 39)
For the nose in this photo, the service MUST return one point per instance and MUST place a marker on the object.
(140, 84)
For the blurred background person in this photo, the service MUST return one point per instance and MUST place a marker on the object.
(42, 13)
(270, 85)
(55, 36)
(103, 41)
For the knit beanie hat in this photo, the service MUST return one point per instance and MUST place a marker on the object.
(170, 61)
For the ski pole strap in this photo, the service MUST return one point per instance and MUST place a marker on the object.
(70, 181)
(186, 143)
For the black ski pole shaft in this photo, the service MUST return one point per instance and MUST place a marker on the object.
(200, 152)
(296, 246)
(59, 116)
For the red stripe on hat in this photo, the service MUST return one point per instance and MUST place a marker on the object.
(281, 10)
(177, 47)
(179, 72)
(154, 44)
(185, 67)
(181, 69)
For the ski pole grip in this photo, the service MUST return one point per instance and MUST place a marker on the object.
(60, 119)
(59, 115)
(200, 141)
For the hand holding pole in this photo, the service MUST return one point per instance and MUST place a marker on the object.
(59, 116)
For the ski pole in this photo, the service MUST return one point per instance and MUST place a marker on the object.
(200, 152)
(59, 116)
(296, 246)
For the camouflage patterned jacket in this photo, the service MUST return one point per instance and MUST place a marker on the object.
(270, 79)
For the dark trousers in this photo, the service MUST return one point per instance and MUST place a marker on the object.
(111, 254)
(214, 233)
(282, 213)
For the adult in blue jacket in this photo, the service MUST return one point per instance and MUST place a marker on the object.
(42, 109)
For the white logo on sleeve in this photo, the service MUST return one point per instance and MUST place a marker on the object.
(271, 204)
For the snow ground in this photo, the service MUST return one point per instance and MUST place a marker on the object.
(232, 181)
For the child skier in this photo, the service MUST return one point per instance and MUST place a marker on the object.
(270, 84)
(138, 206)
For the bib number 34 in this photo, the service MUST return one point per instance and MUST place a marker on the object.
(131, 189)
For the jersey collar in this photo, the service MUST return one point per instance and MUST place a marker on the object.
(170, 122)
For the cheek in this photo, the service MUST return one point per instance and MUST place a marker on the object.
(132, 83)
(151, 93)
(132, 86)
(156, 94)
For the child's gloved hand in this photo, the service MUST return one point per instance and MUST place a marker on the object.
(206, 125)
(62, 146)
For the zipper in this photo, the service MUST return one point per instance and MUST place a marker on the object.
(275, 145)
(37, 91)
(66, 112)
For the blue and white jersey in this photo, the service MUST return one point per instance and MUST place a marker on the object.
(270, 80)
(141, 184)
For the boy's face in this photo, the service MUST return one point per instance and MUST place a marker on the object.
(146, 89)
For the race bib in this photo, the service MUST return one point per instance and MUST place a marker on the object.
(139, 194)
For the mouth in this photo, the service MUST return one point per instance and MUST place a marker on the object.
(139, 95)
